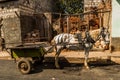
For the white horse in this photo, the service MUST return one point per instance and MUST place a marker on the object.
(65, 40)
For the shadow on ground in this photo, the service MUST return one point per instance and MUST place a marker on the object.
(74, 68)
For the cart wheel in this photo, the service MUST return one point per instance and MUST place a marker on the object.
(24, 66)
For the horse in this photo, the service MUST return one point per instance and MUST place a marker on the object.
(65, 40)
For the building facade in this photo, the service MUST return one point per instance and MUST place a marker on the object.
(21, 19)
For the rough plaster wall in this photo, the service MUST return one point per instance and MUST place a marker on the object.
(11, 31)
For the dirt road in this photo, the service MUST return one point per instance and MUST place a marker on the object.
(46, 71)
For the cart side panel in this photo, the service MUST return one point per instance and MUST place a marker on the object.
(17, 53)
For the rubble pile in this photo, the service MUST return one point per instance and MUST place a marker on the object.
(32, 36)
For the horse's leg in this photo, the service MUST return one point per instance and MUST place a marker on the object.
(58, 51)
(86, 58)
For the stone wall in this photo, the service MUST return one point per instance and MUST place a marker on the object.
(16, 23)
(10, 29)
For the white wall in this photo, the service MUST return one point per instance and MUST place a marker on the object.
(115, 18)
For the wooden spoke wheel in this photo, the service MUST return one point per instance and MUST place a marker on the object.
(24, 66)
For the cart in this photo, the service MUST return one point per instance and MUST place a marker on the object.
(26, 56)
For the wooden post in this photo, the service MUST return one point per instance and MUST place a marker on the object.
(60, 23)
(0, 25)
(110, 29)
(49, 22)
(67, 24)
(1, 41)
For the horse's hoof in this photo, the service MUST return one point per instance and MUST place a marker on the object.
(86, 67)
(57, 67)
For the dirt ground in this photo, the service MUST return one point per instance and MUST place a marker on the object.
(69, 71)
(71, 67)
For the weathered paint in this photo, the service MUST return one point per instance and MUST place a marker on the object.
(17, 53)
(115, 18)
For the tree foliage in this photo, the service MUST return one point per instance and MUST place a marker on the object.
(70, 6)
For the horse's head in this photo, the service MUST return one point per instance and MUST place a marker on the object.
(104, 33)
(103, 38)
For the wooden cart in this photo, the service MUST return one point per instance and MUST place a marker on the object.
(26, 56)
